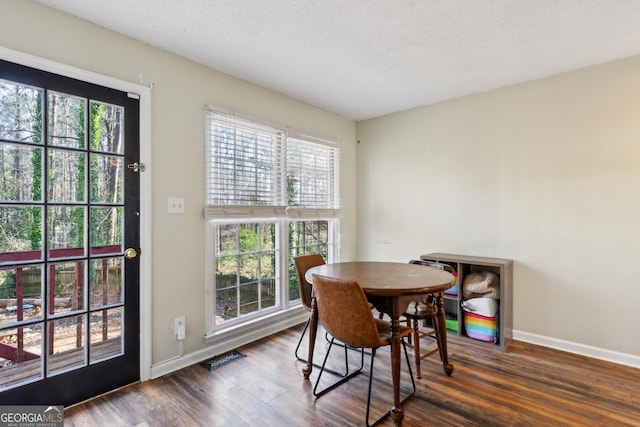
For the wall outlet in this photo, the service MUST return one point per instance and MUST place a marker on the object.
(180, 327)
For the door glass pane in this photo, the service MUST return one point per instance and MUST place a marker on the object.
(106, 334)
(107, 128)
(20, 360)
(66, 176)
(106, 178)
(20, 294)
(106, 230)
(20, 112)
(66, 231)
(21, 238)
(66, 120)
(20, 173)
(67, 344)
(106, 282)
(68, 286)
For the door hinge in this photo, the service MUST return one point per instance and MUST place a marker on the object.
(137, 167)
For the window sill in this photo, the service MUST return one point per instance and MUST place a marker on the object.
(259, 328)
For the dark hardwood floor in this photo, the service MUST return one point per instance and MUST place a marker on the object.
(526, 386)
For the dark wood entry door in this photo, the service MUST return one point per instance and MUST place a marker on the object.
(69, 237)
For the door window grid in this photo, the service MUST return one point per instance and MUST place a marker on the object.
(68, 174)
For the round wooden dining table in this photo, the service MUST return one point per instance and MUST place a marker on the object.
(386, 284)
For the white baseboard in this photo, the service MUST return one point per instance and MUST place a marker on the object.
(577, 348)
(230, 341)
(233, 341)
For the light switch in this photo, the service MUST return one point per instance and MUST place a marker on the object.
(176, 205)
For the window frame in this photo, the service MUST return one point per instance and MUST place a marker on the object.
(279, 214)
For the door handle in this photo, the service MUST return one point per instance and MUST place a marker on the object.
(130, 253)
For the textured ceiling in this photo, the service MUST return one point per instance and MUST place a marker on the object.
(367, 58)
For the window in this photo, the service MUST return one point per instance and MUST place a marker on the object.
(272, 194)
(245, 269)
(305, 237)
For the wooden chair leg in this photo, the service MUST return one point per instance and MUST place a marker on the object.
(438, 338)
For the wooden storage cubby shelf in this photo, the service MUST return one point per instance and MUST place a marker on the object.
(464, 265)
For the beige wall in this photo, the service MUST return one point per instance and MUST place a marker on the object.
(181, 89)
(546, 173)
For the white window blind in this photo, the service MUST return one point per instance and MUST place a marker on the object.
(312, 178)
(257, 170)
(245, 162)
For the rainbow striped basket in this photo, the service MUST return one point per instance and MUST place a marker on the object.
(480, 319)
(480, 327)
(453, 290)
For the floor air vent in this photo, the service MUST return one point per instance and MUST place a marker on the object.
(221, 360)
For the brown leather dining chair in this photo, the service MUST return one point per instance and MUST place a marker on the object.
(304, 263)
(424, 311)
(345, 313)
